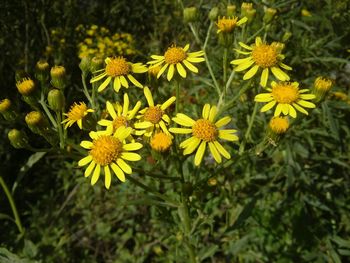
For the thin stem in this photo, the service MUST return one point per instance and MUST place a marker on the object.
(48, 113)
(13, 205)
(85, 90)
(250, 125)
(60, 130)
(224, 66)
(177, 97)
(208, 34)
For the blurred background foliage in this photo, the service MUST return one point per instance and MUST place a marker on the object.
(290, 203)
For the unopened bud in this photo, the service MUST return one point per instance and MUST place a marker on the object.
(286, 36)
(26, 87)
(18, 139)
(321, 87)
(248, 11)
(230, 10)
(277, 127)
(58, 77)
(42, 69)
(7, 111)
(56, 99)
(96, 64)
(5, 105)
(269, 15)
(37, 123)
(85, 65)
(212, 181)
(190, 14)
(213, 14)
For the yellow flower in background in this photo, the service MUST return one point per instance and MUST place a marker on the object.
(177, 57)
(76, 113)
(119, 70)
(264, 56)
(288, 98)
(205, 131)
(121, 115)
(108, 151)
(153, 117)
(161, 142)
(226, 25)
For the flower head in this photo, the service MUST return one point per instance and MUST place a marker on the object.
(108, 151)
(26, 86)
(205, 131)
(76, 114)
(5, 105)
(121, 115)
(161, 142)
(279, 125)
(288, 98)
(264, 56)
(321, 87)
(153, 117)
(177, 57)
(226, 25)
(119, 70)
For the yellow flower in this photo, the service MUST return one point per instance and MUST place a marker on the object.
(5, 105)
(153, 117)
(108, 151)
(122, 116)
(288, 98)
(76, 114)
(161, 142)
(205, 131)
(177, 57)
(26, 86)
(118, 69)
(262, 55)
(279, 125)
(226, 25)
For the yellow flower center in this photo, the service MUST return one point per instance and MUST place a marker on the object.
(26, 86)
(285, 93)
(77, 111)
(204, 130)
(161, 142)
(226, 24)
(153, 114)
(279, 125)
(323, 84)
(119, 121)
(265, 55)
(106, 149)
(5, 104)
(174, 55)
(117, 67)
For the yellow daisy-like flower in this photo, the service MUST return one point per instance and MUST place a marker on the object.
(109, 151)
(161, 142)
(76, 114)
(262, 55)
(205, 131)
(119, 70)
(226, 25)
(288, 98)
(121, 116)
(153, 117)
(177, 57)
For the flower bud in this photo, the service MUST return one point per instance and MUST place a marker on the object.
(161, 142)
(58, 77)
(5, 105)
(18, 139)
(36, 122)
(230, 10)
(277, 127)
(248, 11)
(42, 70)
(7, 111)
(153, 71)
(321, 87)
(286, 36)
(96, 64)
(213, 14)
(56, 99)
(85, 65)
(26, 87)
(269, 14)
(212, 181)
(190, 14)
(305, 12)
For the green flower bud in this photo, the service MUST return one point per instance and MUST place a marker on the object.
(96, 64)
(286, 36)
(269, 14)
(190, 14)
(58, 77)
(321, 87)
(18, 139)
(230, 10)
(248, 11)
(37, 123)
(42, 69)
(213, 14)
(85, 65)
(56, 99)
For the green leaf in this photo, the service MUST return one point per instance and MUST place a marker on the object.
(208, 252)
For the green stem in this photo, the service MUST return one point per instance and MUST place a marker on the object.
(47, 112)
(60, 130)
(250, 125)
(224, 66)
(177, 97)
(13, 205)
(85, 90)
(208, 35)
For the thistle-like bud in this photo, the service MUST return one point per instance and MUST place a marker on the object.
(58, 77)
(230, 10)
(26, 87)
(248, 11)
(96, 64)
(269, 14)
(56, 99)
(213, 14)
(7, 110)
(85, 65)
(190, 14)
(18, 139)
(42, 69)
(321, 87)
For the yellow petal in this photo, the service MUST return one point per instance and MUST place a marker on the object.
(214, 152)
(222, 150)
(250, 73)
(263, 97)
(143, 125)
(171, 71)
(89, 169)
(129, 156)
(302, 110)
(192, 145)
(111, 110)
(212, 113)
(96, 174)
(200, 153)
(228, 136)
(268, 106)
(148, 96)
(116, 84)
(279, 74)
(124, 82)
(241, 61)
(190, 66)
(278, 110)
(183, 120)
(124, 166)
(245, 46)
(223, 121)
(86, 144)
(244, 66)
(181, 70)
(134, 81)
(108, 177)
(132, 146)
(166, 104)
(180, 130)
(292, 111)
(205, 111)
(162, 70)
(264, 77)
(104, 84)
(118, 172)
(97, 78)
(85, 160)
(306, 104)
